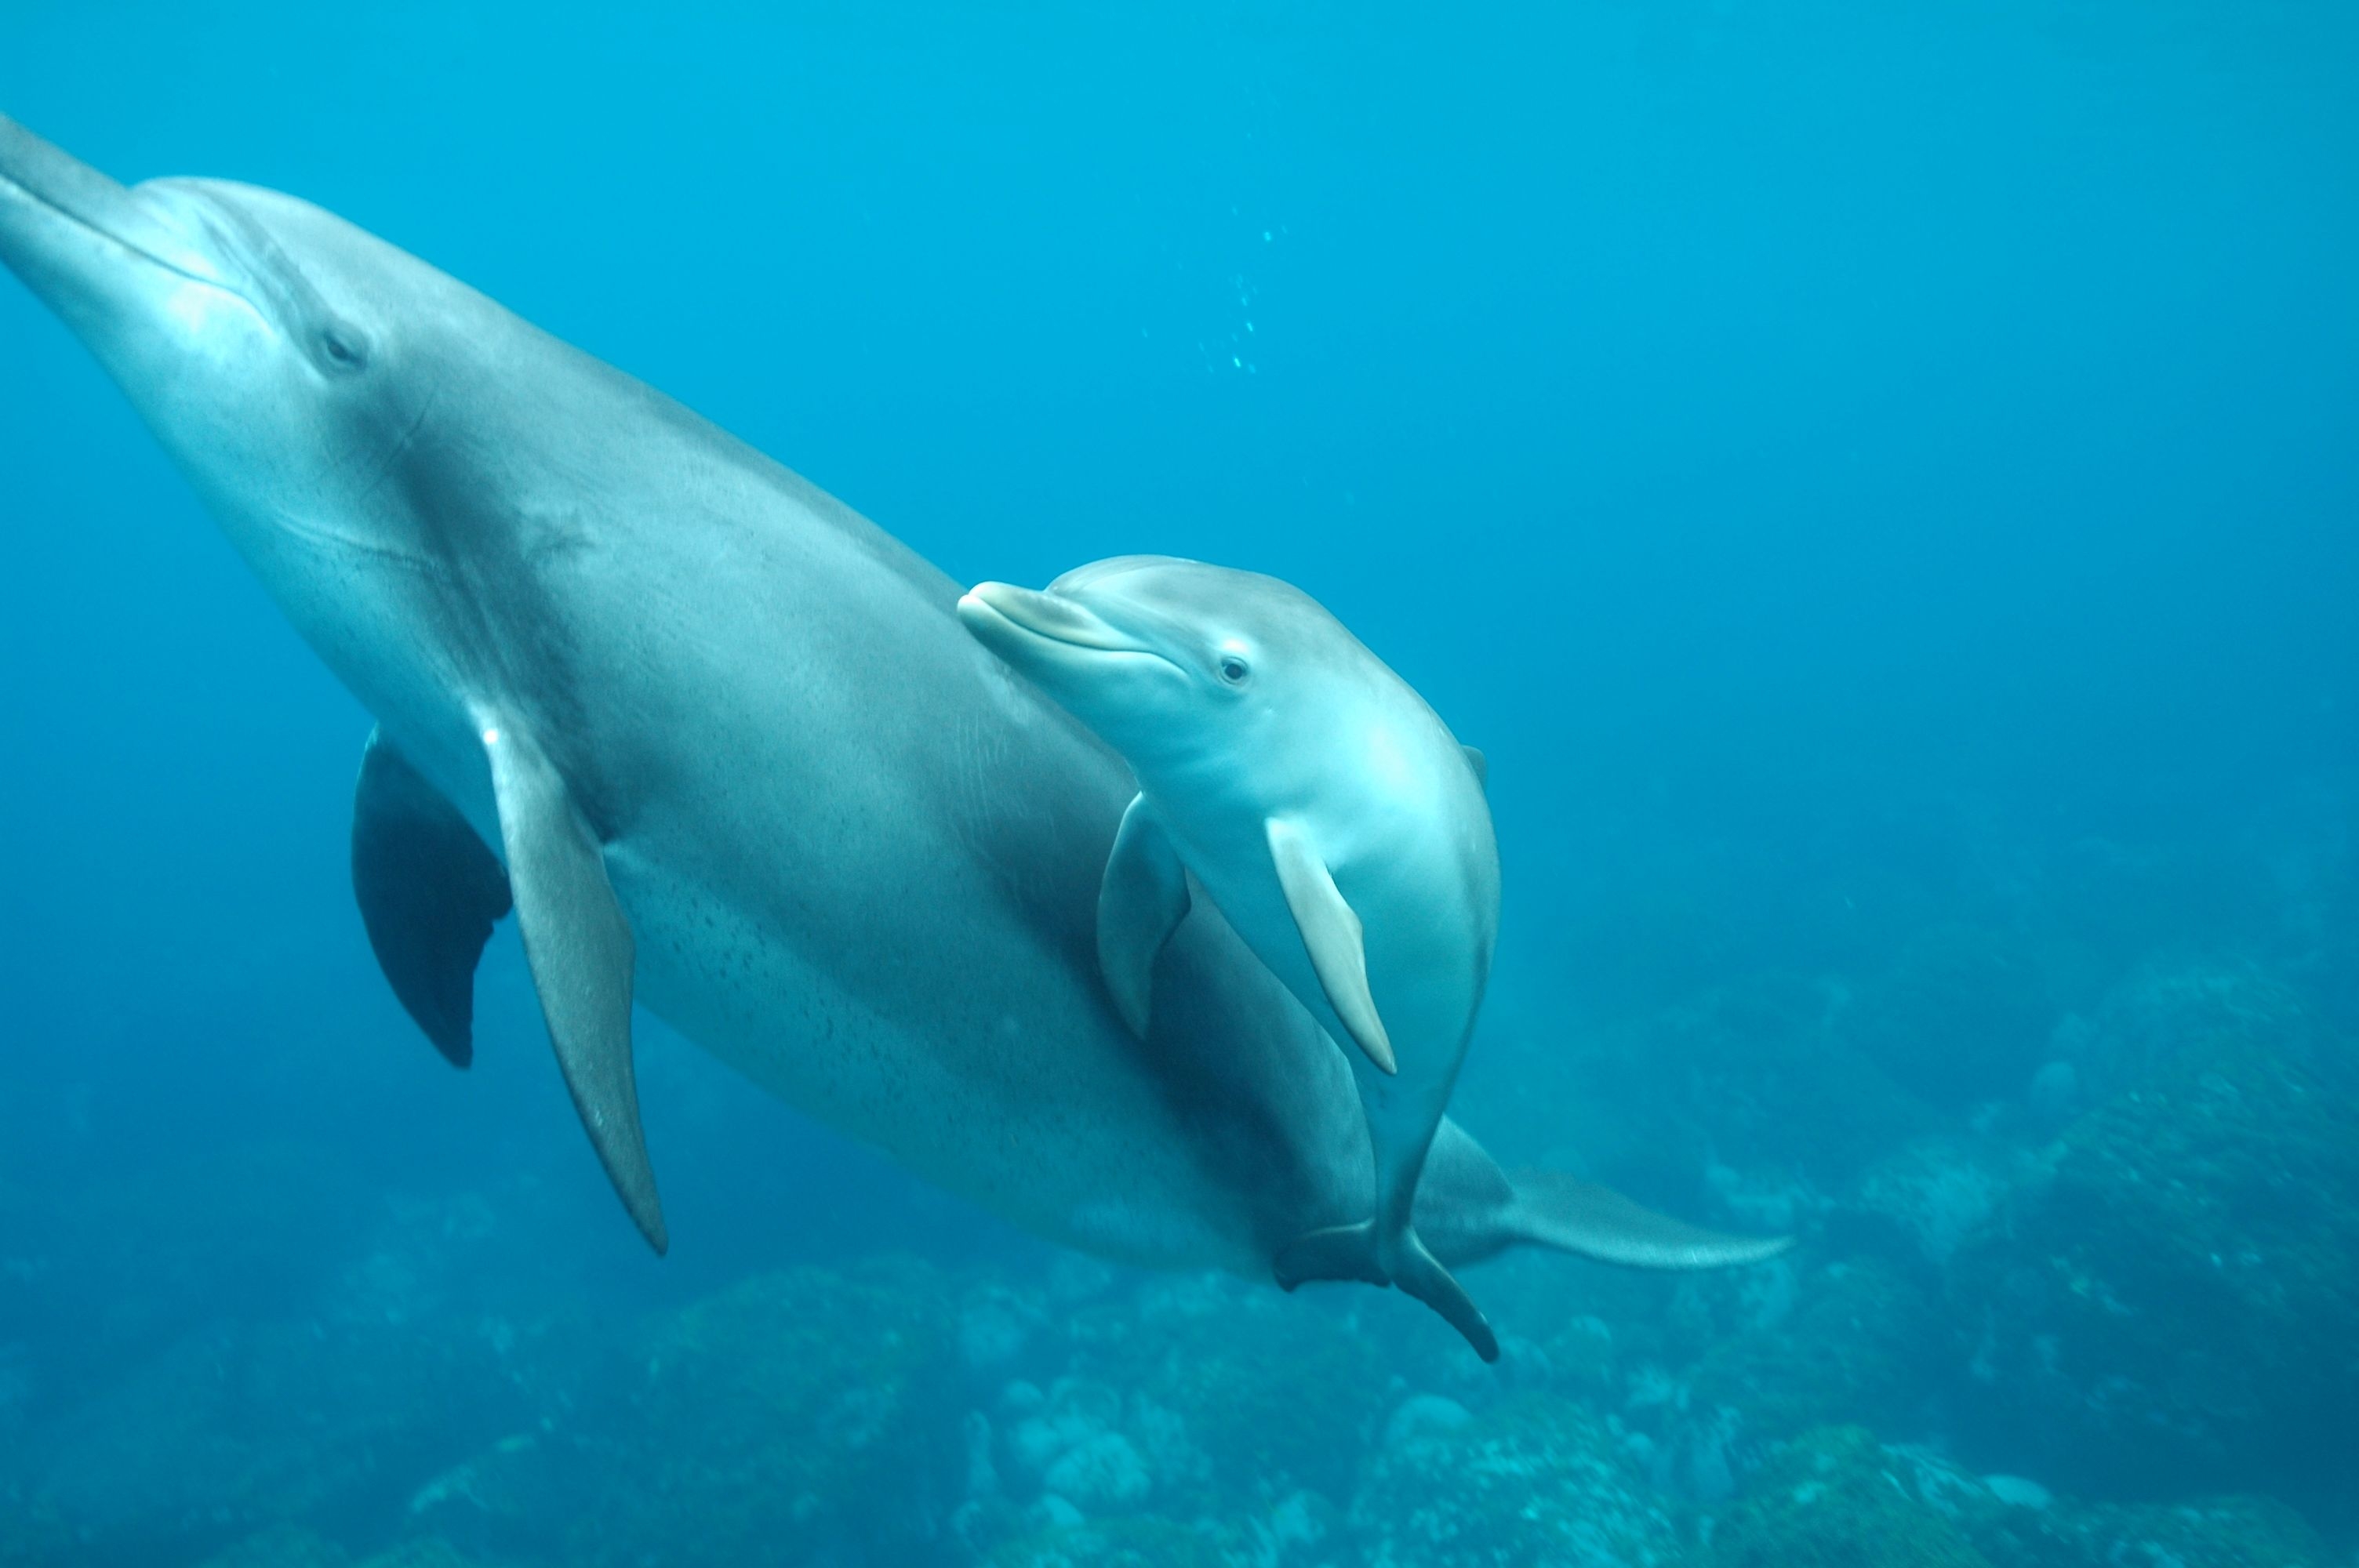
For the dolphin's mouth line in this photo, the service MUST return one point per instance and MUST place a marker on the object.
(1087, 643)
(1035, 653)
(50, 204)
(1051, 618)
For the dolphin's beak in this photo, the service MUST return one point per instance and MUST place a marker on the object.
(998, 612)
(91, 249)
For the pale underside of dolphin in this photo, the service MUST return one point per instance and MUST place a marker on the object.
(725, 749)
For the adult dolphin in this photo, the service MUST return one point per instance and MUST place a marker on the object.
(723, 743)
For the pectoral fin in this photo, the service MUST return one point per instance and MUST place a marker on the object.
(1480, 763)
(1332, 933)
(579, 947)
(1140, 902)
(429, 892)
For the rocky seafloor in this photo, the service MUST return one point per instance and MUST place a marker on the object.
(2071, 1148)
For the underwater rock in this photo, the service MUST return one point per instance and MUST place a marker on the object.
(2018, 1523)
(995, 1328)
(1963, 1015)
(1834, 1497)
(2163, 1012)
(796, 1416)
(17, 1386)
(1076, 1277)
(1423, 1415)
(2127, 900)
(245, 1424)
(1103, 1475)
(1860, 1344)
(792, 1411)
(31, 1531)
(241, 1228)
(1760, 1075)
(1689, 1451)
(1583, 1357)
(30, 1542)
(1299, 1527)
(1534, 1483)
(1138, 1542)
(985, 1515)
(1233, 1392)
(290, 1546)
(2213, 1532)
(1937, 1192)
(981, 1474)
(2054, 1096)
(1045, 1427)
(425, 1554)
(282, 1546)
(1053, 1512)
(2019, 1491)
(2171, 1310)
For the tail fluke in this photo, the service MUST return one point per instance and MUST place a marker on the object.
(1551, 1209)
(1469, 1209)
(1350, 1252)
(1417, 1273)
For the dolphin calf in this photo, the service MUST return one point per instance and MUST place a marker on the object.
(725, 749)
(1325, 809)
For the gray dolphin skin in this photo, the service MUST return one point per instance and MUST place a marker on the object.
(724, 748)
(1325, 809)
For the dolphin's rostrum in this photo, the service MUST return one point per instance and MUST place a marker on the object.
(731, 748)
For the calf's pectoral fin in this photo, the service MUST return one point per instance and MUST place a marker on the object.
(578, 945)
(429, 892)
(1141, 901)
(1330, 933)
(1480, 763)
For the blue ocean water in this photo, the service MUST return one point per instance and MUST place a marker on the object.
(1881, 487)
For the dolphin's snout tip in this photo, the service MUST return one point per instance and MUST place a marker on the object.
(1002, 599)
(979, 596)
(975, 608)
(77, 236)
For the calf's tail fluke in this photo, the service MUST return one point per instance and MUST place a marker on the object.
(1469, 1209)
(1553, 1209)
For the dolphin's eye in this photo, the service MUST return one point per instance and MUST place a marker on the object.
(1234, 670)
(341, 349)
